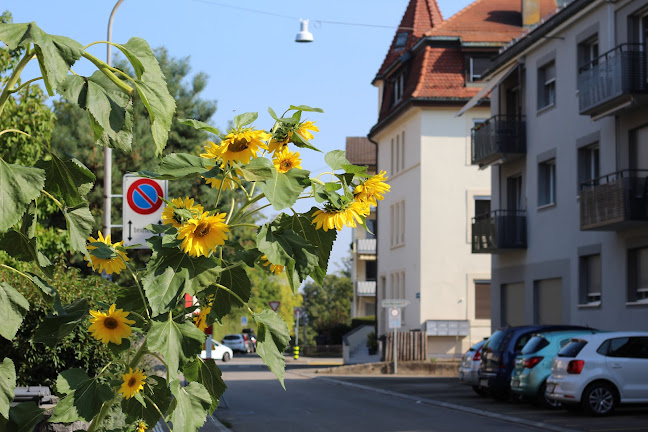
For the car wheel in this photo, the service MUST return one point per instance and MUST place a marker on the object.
(542, 397)
(481, 391)
(226, 357)
(599, 399)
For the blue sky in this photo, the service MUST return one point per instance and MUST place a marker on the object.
(252, 59)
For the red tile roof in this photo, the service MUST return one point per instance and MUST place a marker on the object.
(360, 151)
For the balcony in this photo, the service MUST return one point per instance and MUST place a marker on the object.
(612, 81)
(500, 138)
(366, 288)
(614, 201)
(498, 231)
(365, 248)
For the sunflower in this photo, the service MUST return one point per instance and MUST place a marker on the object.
(133, 383)
(337, 218)
(277, 144)
(141, 426)
(110, 327)
(202, 234)
(304, 129)
(201, 319)
(110, 265)
(284, 160)
(238, 146)
(372, 189)
(216, 183)
(274, 268)
(169, 215)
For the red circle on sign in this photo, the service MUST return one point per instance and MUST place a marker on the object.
(140, 196)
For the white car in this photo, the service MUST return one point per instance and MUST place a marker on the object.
(601, 371)
(469, 368)
(219, 352)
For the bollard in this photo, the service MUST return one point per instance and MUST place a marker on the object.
(296, 352)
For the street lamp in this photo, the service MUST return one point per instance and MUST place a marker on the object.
(304, 35)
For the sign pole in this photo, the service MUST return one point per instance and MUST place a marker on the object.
(296, 349)
(395, 350)
(208, 347)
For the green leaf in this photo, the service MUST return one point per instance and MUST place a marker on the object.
(326, 193)
(67, 179)
(300, 141)
(359, 171)
(320, 239)
(283, 189)
(273, 114)
(50, 293)
(306, 108)
(336, 159)
(17, 245)
(56, 54)
(259, 169)
(79, 226)
(235, 279)
(55, 328)
(191, 406)
(177, 166)
(245, 119)
(19, 186)
(209, 375)
(13, 307)
(197, 124)
(7, 386)
(24, 417)
(84, 398)
(272, 339)
(156, 389)
(178, 343)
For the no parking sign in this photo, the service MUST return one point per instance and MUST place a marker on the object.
(143, 205)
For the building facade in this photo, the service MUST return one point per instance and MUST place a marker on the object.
(568, 148)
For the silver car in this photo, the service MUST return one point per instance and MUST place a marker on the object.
(469, 368)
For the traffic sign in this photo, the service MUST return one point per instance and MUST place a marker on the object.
(391, 303)
(244, 321)
(394, 318)
(143, 206)
(274, 305)
(298, 311)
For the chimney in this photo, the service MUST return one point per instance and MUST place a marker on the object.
(530, 12)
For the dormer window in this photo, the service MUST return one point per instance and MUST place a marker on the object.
(476, 67)
(399, 87)
(401, 40)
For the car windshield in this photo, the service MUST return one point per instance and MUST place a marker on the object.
(572, 348)
(495, 340)
(535, 344)
(232, 337)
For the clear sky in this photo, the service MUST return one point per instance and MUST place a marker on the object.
(252, 59)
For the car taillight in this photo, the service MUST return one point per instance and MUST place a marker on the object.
(477, 356)
(575, 366)
(531, 362)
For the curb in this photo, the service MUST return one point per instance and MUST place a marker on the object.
(483, 413)
(216, 424)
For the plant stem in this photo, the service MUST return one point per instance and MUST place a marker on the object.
(159, 412)
(246, 205)
(244, 225)
(159, 358)
(6, 92)
(57, 202)
(235, 295)
(139, 287)
(229, 213)
(220, 189)
(105, 407)
(103, 67)
(16, 90)
(17, 271)
(138, 355)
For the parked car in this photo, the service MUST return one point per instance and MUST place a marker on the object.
(218, 352)
(469, 367)
(238, 342)
(499, 352)
(601, 371)
(533, 365)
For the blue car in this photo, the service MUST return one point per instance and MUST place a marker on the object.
(533, 365)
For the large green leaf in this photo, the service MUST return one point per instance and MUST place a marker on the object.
(56, 54)
(84, 397)
(177, 166)
(7, 386)
(178, 343)
(191, 406)
(79, 226)
(259, 169)
(16, 244)
(67, 179)
(322, 240)
(19, 186)
(197, 124)
(272, 339)
(305, 108)
(209, 375)
(336, 159)
(24, 417)
(13, 307)
(152, 88)
(55, 328)
(283, 189)
(155, 389)
(237, 281)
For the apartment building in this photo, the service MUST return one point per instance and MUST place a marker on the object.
(432, 68)
(567, 144)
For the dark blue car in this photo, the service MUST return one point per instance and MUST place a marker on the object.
(499, 352)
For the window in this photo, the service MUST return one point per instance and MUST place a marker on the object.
(401, 40)
(392, 157)
(590, 279)
(482, 300)
(588, 53)
(547, 85)
(547, 183)
(397, 224)
(482, 206)
(514, 192)
(476, 67)
(398, 87)
(588, 164)
(398, 153)
(402, 157)
(626, 347)
(638, 275)
(402, 222)
(371, 270)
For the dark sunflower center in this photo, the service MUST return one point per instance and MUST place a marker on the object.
(238, 145)
(111, 323)
(203, 229)
(286, 164)
(132, 382)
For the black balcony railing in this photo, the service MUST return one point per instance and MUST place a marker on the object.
(501, 137)
(614, 201)
(609, 80)
(499, 230)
